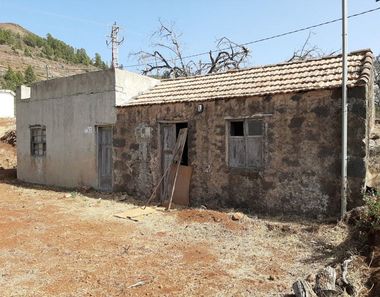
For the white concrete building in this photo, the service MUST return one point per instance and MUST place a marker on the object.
(7, 104)
(64, 127)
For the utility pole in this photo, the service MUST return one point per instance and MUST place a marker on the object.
(47, 71)
(113, 40)
(344, 109)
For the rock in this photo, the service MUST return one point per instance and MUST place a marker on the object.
(325, 282)
(302, 288)
(85, 189)
(9, 137)
(237, 216)
(310, 278)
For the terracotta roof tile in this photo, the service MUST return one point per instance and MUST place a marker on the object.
(272, 79)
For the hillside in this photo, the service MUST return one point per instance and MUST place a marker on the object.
(49, 57)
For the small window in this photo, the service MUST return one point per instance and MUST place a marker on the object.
(245, 143)
(237, 128)
(38, 140)
(255, 127)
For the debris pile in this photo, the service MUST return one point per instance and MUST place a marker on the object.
(351, 276)
(9, 137)
(329, 281)
(375, 263)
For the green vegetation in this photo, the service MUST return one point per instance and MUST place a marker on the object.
(99, 63)
(7, 37)
(29, 76)
(372, 216)
(12, 79)
(49, 47)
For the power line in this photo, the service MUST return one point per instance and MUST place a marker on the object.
(267, 38)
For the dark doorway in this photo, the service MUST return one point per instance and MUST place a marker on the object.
(169, 134)
(185, 156)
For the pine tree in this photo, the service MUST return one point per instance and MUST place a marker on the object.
(12, 79)
(99, 63)
(29, 76)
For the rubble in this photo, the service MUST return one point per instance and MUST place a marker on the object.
(9, 137)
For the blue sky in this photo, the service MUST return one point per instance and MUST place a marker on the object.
(85, 23)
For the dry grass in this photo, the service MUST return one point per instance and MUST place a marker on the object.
(56, 243)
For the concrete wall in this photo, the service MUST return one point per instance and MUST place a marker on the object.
(301, 174)
(70, 108)
(130, 85)
(7, 104)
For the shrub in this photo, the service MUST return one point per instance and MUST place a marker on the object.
(372, 217)
(29, 76)
(12, 79)
(27, 52)
(6, 37)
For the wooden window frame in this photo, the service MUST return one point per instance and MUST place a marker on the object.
(38, 140)
(246, 138)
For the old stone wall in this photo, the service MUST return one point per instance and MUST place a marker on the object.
(301, 172)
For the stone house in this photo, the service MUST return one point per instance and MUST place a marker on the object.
(267, 139)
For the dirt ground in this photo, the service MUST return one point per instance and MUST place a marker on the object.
(59, 243)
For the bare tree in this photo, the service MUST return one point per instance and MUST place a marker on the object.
(229, 55)
(308, 51)
(167, 58)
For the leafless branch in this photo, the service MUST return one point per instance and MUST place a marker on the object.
(308, 51)
(169, 60)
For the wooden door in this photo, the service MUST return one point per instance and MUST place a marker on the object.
(105, 158)
(168, 139)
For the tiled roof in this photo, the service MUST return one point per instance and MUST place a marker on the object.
(312, 74)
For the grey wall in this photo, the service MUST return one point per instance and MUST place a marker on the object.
(70, 108)
(130, 85)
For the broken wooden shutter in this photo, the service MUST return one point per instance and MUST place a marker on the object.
(254, 143)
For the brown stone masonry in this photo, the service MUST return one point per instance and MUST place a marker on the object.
(300, 173)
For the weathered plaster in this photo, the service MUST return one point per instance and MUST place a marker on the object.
(71, 108)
